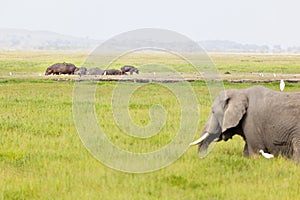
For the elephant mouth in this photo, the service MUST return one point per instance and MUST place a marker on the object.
(217, 139)
(223, 137)
(226, 136)
(208, 138)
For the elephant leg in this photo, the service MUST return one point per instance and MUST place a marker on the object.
(246, 152)
(296, 151)
(252, 150)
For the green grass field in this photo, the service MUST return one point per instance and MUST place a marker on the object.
(22, 62)
(42, 156)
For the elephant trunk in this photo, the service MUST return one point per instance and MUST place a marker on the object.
(204, 141)
(211, 132)
(203, 146)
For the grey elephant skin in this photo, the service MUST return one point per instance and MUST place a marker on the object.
(267, 120)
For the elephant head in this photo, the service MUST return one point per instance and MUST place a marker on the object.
(225, 119)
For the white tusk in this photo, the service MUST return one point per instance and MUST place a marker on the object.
(203, 137)
(266, 155)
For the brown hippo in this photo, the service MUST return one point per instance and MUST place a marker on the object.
(94, 71)
(130, 69)
(113, 72)
(80, 71)
(61, 68)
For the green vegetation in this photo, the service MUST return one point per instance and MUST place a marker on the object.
(42, 157)
(280, 63)
(34, 62)
(27, 63)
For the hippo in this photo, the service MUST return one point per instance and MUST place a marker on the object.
(94, 71)
(113, 72)
(80, 71)
(61, 68)
(128, 68)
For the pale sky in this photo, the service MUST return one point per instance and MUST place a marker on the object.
(268, 22)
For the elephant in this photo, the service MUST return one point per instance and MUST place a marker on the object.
(61, 68)
(80, 71)
(130, 69)
(267, 120)
(94, 71)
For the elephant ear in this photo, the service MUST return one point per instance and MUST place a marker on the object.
(236, 104)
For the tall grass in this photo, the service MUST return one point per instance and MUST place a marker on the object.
(42, 157)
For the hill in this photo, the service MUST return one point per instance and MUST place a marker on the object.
(21, 39)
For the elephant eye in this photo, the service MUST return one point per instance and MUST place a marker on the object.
(226, 103)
